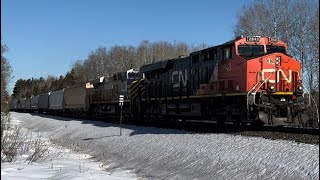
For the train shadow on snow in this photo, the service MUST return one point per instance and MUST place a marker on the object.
(157, 127)
(137, 128)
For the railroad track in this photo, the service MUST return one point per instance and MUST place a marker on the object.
(312, 131)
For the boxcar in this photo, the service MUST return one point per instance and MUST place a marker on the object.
(34, 103)
(77, 99)
(43, 102)
(56, 102)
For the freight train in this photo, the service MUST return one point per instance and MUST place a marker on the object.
(248, 80)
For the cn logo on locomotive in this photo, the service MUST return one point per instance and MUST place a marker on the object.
(180, 78)
(288, 79)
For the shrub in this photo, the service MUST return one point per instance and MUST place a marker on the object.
(15, 143)
(11, 139)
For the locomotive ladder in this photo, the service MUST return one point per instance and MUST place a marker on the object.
(251, 96)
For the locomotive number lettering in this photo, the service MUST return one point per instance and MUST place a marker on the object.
(266, 77)
(226, 67)
(181, 77)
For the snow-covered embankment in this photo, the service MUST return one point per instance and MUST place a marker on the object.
(163, 154)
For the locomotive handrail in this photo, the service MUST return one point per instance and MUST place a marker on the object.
(309, 97)
(254, 87)
(264, 81)
(309, 103)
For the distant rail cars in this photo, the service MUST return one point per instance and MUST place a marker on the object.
(246, 80)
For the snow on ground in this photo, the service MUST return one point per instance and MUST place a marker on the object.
(59, 163)
(155, 153)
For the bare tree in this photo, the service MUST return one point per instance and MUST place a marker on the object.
(144, 54)
(5, 77)
(78, 72)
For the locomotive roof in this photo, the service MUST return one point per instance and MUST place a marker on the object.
(164, 64)
(97, 81)
(155, 66)
(215, 47)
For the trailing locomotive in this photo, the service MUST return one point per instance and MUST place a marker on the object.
(246, 80)
(105, 97)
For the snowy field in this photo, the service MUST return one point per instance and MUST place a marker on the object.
(58, 163)
(155, 153)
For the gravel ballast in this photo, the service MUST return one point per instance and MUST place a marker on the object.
(155, 153)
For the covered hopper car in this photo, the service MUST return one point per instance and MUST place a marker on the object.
(76, 100)
(34, 103)
(28, 104)
(43, 102)
(56, 100)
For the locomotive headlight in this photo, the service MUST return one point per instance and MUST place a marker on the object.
(271, 88)
(300, 88)
(278, 60)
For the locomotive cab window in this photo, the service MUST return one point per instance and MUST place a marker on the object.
(227, 53)
(134, 75)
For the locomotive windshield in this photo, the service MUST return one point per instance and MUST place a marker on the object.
(250, 50)
(272, 49)
(134, 75)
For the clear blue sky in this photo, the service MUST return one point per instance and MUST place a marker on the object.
(45, 36)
